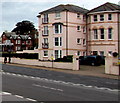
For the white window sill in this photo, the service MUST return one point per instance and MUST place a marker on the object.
(45, 56)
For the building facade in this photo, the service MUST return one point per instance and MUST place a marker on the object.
(62, 32)
(69, 29)
(103, 29)
(19, 42)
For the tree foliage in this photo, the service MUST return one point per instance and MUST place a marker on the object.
(24, 27)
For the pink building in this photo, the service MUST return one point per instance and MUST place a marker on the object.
(69, 29)
(103, 29)
(62, 31)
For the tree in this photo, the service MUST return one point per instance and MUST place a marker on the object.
(27, 28)
(24, 27)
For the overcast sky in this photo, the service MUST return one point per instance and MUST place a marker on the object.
(13, 11)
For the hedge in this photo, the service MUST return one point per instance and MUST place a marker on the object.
(68, 58)
(21, 55)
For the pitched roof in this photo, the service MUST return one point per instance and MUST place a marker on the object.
(68, 7)
(15, 36)
(106, 7)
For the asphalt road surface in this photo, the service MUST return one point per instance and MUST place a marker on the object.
(44, 85)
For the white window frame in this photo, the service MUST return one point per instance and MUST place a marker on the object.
(59, 41)
(59, 54)
(84, 29)
(95, 31)
(57, 15)
(45, 53)
(79, 40)
(78, 28)
(78, 15)
(45, 19)
(18, 48)
(109, 16)
(45, 31)
(79, 53)
(59, 29)
(18, 41)
(102, 17)
(84, 42)
(45, 40)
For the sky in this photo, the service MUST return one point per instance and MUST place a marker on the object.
(14, 11)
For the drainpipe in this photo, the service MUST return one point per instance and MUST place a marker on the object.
(66, 32)
(119, 39)
(87, 34)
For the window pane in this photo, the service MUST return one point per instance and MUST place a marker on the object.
(78, 15)
(95, 34)
(110, 33)
(56, 54)
(101, 17)
(45, 29)
(102, 53)
(57, 14)
(95, 17)
(60, 56)
(109, 16)
(45, 53)
(102, 33)
(78, 27)
(84, 42)
(56, 41)
(60, 41)
(58, 28)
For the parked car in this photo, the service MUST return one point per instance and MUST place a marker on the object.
(91, 60)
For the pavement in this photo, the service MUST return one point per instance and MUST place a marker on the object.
(96, 71)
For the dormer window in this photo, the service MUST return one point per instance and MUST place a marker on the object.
(57, 15)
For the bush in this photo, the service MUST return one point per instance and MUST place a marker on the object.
(21, 55)
(68, 58)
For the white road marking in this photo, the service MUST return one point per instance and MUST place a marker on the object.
(32, 77)
(18, 96)
(6, 93)
(46, 87)
(19, 75)
(13, 74)
(63, 82)
(25, 76)
(31, 99)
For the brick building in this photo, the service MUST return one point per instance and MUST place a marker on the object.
(15, 42)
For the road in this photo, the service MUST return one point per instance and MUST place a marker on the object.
(45, 85)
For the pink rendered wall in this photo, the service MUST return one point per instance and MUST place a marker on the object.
(106, 44)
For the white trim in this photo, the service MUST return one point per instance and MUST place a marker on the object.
(104, 12)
